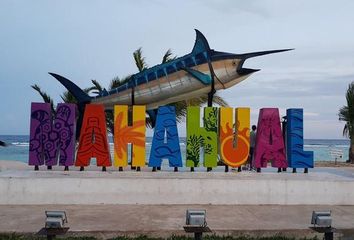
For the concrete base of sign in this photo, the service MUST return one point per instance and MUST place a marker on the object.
(328, 186)
(107, 221)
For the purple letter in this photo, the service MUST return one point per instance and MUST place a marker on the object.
(50, 141)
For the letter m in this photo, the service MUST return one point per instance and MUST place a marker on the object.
(52, 135)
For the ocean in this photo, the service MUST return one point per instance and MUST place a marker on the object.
(18, 146)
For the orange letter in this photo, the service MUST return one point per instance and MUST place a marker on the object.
(234, 146)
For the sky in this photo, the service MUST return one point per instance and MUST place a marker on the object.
(94, 39)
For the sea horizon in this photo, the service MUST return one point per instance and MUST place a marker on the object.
(18, 147)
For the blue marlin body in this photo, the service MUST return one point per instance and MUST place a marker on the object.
(200, 72)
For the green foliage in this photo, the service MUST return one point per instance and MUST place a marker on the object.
(14, 236)
(140, 60)
(97, 88)
(346, 114)
(210, 122)
(194, 143)
(46, 98)
(116, 82)
(181, 106)
(168, 56)
(193, 148)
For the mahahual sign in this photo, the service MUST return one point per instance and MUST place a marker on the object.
(203, 71)
(51, 141)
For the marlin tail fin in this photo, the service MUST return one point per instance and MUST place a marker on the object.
(81, 97)
(78, 93)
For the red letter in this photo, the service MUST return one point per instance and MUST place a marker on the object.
(93, 138)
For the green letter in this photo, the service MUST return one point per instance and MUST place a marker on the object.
(205, 137)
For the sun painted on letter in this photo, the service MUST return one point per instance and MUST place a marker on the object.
(234, 146)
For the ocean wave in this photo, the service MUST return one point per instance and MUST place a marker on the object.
(325, 146)
(20, 144)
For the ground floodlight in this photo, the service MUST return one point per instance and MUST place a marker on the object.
(322, 223)
(55, 219)
(196, 223)
(54, 224)
(196, 217)
(321, 219)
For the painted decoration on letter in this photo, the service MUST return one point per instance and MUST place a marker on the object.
(234, 141)
(124, 134)
(165, 144)
(93, 141)
(297, 157)
(205, 137)
(269, 140)
(50, 141)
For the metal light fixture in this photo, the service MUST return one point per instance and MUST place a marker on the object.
(55, 219)
(196, 217)
(54, 224)
(196, 223)
(322, 223)
(321, 219)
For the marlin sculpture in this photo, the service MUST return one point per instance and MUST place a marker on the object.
(203, 71)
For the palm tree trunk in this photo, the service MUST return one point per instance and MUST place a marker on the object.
(351, 151)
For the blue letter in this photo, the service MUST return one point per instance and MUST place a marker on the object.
(165, 123)
(297, 157)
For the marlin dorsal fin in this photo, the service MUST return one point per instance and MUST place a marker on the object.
(201, 44)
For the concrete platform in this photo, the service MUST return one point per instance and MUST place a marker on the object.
(106, 221)
(322, 186)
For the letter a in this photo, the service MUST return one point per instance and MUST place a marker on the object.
(269, 140)
(93, 138)
(124, 134)
(234, 146)
(165, 123)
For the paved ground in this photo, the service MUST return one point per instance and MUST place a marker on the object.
(164, 220)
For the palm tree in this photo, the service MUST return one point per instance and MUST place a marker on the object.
(346, 113)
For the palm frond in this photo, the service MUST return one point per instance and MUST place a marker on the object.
(46, 98)
(219, 101)
(97, 87)
(140, 60)
(67, 97)
(181, 106)
(116, 82)
(346, 131)
(168, 56)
